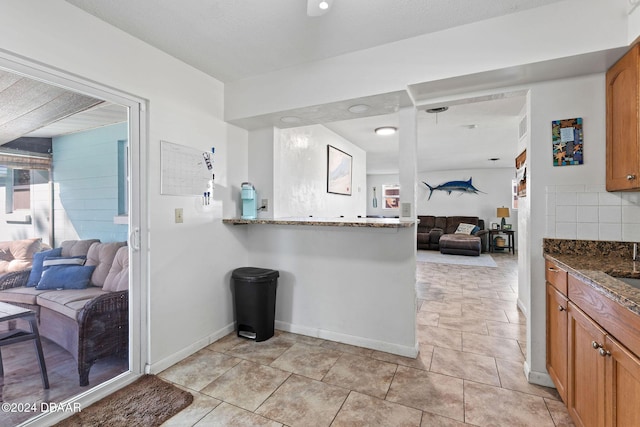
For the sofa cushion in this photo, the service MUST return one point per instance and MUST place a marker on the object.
(18, 254)
(66, 276)
(118, 277)
(68, 302)
(21, 295)
(101, 255)
(36, 268)
(77, 247)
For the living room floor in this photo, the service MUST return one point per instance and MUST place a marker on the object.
(469, 370)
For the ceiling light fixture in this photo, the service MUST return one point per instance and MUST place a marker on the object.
(359, 108)
(318, 7)
(386, 130)
(290, 119)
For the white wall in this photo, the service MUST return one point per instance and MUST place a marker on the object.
(349, 284)
(189, 263)
(494, 187)
(261, 161)
(300, 175)
(579, 97)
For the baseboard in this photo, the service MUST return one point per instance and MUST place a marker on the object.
(522, 308)
(386, 347)
(171, 360)
(539, 378)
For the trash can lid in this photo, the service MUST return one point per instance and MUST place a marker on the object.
(255, 274)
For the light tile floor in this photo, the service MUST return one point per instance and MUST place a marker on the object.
(469, 370)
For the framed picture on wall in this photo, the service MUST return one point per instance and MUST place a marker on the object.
(391, 196)
(339, 171)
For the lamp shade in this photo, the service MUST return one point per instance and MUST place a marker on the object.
(502, 213)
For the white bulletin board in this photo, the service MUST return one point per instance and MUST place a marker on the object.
(184, 171)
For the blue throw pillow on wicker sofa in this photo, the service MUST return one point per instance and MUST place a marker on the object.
(66, 277)
(36, 268)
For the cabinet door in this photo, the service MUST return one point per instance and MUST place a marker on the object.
(557, 352)
(585, 370)
(622, 385)
(623, 157)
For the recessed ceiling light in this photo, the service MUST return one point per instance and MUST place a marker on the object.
(359, 108)
(437, 110)
(290, 119)
(318, 7)
(386, 130)
(472, 126)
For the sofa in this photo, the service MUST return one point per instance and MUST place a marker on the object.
(82, 306)
(432, 228)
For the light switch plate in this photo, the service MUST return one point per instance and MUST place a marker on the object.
(406, 209)
(179, 216)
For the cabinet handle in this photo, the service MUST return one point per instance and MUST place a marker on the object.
(631, 177)
(561, 308)
(595, 345)
(604, 353)
(555, 270)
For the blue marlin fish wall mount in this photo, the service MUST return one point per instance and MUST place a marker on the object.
(451, 186)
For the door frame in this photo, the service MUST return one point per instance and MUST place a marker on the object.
(138, 218)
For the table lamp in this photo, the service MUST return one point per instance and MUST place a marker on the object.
(502, 213)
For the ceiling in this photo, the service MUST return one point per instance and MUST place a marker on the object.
(233, 40)
(31, 108)
(464, 137)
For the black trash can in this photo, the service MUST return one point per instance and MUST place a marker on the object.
(255, 301)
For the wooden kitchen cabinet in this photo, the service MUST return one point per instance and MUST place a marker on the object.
(592, 352)
(623, 122)
(622, 385)
(586, 388)
(557, 351)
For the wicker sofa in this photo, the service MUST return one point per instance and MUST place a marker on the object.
(90, 323)
(432, 228)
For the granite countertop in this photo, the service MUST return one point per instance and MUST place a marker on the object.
(327, 222)
(600, 273)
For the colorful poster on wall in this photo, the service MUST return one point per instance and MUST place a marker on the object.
(567, 140)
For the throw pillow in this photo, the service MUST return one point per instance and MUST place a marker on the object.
(71, 260)
(464, 228)
(66, 277)
(36, 268)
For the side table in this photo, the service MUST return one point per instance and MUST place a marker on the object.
(510, 240)
(11, 312)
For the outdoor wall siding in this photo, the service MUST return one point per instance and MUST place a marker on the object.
(85, 172)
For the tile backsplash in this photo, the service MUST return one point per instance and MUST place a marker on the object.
(589, 212)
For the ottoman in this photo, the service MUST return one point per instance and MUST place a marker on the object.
(460, 244)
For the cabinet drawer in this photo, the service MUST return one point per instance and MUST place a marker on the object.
(556, 276)
(616, 319)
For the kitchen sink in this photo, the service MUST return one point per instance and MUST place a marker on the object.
(630, 281)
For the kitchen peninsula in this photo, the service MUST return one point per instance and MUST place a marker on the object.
(328, 222)
(350, 280)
